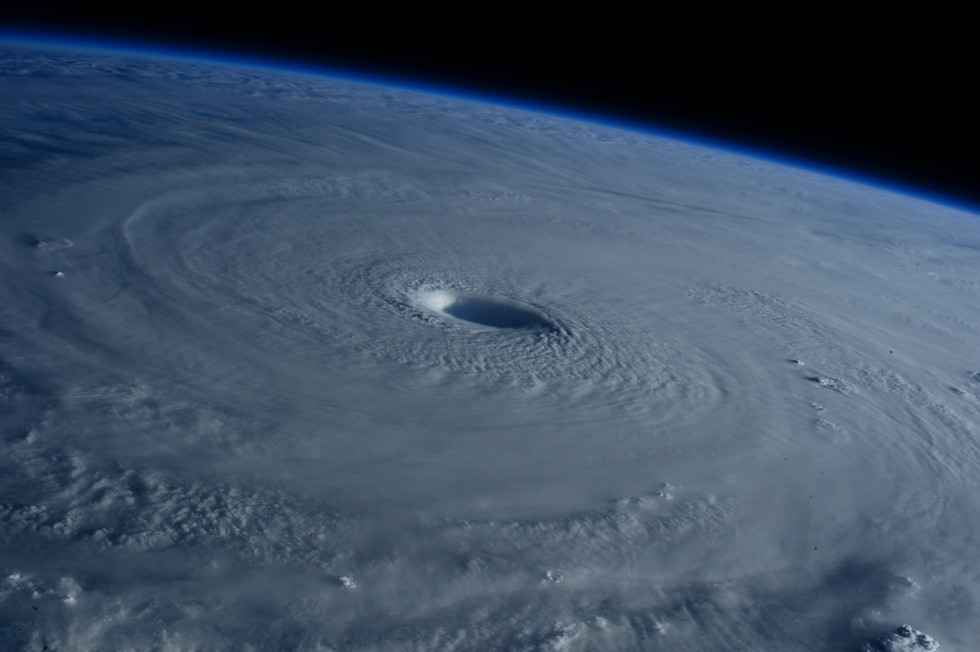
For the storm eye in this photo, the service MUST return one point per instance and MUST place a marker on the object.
(484, 311)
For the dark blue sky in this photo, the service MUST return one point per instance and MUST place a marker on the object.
(878, 93)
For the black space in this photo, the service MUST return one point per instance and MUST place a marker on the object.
(869, 90)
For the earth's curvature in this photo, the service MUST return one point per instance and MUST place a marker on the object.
(301, 363)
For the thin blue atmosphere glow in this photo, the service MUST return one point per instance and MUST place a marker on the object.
(291, 66)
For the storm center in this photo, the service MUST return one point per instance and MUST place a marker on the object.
(484, 311)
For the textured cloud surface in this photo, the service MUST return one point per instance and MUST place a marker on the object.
(305, 364)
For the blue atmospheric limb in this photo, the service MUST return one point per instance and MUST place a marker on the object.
(374, 78)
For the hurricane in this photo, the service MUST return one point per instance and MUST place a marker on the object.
(301, 362)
